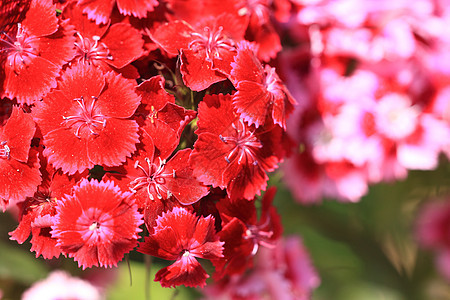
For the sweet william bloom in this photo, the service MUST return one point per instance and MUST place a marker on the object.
(243, 233)
(19, 167)
(107, 47)
(207, 47)
(182, 236)
(260, 93)
(97, 225)
(60, 285)
(231, 154)
(33, 53)
(85, 120)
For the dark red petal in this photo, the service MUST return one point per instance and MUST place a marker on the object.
(124, 43)
(198, 73)
(183, 186)
(118, 100)
(138, 9)
(243, 210)
(66, 151)
(114, 143)
(252, 102)
(97, 10)
(206, 244)
(173, 36)
(185, 271)
(237, 250)
(41, 18)
(18, 132)
(244, 180)
(19, 180)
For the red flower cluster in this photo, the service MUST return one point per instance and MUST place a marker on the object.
(98, 139)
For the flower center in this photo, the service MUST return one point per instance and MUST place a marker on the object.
(87, 116)
(211, 41)
(4, 150)
(90, 51)
(245, 144)
(94, 226)
(153, 178)
(20, 50)
(259, 237)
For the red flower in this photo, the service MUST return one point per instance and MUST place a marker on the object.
(231, 154)
(19, 167)
(108, 47)
(35, 54)
(84, 121)
(260, 93)
(243, 232)
(96, 225)
(207, 47)
(180, 235)
(100, 10)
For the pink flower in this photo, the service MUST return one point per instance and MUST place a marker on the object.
(60, 285)
(181, 235)
(96, 225)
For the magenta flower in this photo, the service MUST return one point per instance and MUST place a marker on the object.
(97, 225)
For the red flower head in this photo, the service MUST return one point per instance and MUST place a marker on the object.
(34, 54)
(180, 235)
(231, 154)
(207, 47)
(260, 92)
(243, 233)
(96, 225)
(84, 121)
(19, 167)
(108, 47)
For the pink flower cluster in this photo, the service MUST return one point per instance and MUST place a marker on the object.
(374, 80)
(97, 139)
(433, 232)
